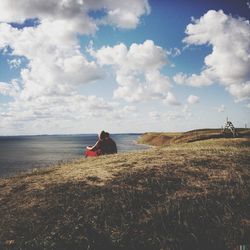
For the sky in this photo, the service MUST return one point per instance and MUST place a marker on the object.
(82, 66)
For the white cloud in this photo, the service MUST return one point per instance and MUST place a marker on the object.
(248, 4)
(55, 61)
(123, 14)
(229, 62)
(187, 111)
(167, 116)
(15, 63)
(155, 115)
(138, 57)
(137, 70)
(10, 89)
(55, 112)
(241, 91)
(186, 108)
(56, 65)
(192, 99)
(171, 99)
(221, 108)
(71, 14)
(125, 112)
(76, 106)
(171, 115)
(5, 88)
(194, 80)
(124, 17)
(174, 52)
(129, 109)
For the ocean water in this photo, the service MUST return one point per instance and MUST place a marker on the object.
(21, 153)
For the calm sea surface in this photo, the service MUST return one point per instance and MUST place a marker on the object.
(19, 153)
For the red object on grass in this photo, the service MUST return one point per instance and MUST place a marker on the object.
(90, 153)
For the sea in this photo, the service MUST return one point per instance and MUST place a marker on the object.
(22, 153)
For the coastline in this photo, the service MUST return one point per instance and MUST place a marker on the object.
(148, 146)
(22, 153)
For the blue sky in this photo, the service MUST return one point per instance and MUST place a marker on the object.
(80, 66)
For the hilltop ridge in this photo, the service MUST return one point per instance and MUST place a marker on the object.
(165, 139)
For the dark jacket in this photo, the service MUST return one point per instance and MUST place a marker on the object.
(108, 146)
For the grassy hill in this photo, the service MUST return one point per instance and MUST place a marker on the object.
(164, 139)
(184, 196)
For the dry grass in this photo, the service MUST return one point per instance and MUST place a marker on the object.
(185, 196)
(165, 139)
(158, 139)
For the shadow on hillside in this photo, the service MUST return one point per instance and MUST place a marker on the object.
(135, 210)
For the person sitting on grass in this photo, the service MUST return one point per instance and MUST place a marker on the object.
(104, 145)
(110, 145)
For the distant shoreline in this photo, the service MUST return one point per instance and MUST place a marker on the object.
(88, 134)
(21, 153)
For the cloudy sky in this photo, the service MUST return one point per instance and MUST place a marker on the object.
(80, 66)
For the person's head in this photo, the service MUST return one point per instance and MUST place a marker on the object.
(102, 135)
(107, 135)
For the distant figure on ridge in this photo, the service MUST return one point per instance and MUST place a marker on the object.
(229, 126)
(104, 145)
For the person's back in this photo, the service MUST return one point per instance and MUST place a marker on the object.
(109, 146)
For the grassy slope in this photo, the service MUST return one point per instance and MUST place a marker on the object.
(165, 139)
(185, 196)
